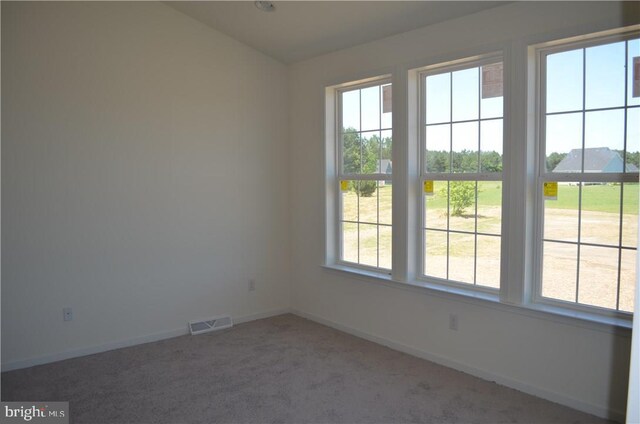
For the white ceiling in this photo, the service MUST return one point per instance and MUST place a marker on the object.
(299, 30)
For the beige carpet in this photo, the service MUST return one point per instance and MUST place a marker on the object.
(279, 370)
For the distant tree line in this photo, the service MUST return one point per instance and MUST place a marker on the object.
(632, 157)
(464, 161)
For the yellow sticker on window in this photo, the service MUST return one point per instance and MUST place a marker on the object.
(344, 185)
(428, 187)
(550, 190)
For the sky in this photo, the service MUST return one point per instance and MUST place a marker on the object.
(453, 96)
(605, 88)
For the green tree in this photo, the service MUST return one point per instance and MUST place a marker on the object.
(437, 161)
(385, 150)
(464, 161)
(554, 159)
(490, 162)
(360, 157)
(461, 195)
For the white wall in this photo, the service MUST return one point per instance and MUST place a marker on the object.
(147, 174)
(561, 359)
(144, 176)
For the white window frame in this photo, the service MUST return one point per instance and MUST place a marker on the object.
(340, 175)
(452, 66)
(541, 176)
(520, 205)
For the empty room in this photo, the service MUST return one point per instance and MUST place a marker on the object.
(320, 211)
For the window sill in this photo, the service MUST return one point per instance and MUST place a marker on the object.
(580, 315)
(591, 321)
(359, 272)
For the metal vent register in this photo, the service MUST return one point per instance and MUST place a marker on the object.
(210, 324)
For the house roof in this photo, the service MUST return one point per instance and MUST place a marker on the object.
(596, 159)
(385, 165)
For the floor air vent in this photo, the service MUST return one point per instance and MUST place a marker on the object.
(210, 324)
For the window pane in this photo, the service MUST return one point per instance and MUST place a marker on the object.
(465, 90)
(488, 262)
(435, 207)
(385, 200)
(462, 205)
(598, 276)
(489, 214)
(370, 152)
(386, 103)
(438, 98)
(600, 214)
(438, 142)
(491, 146)
(564, 81)
(386, 139)
(633, 51)
(633, 140)
(370, 105)
(461, 257)
(604, 141)
(464, 156)
(368, 202)
(561, 215)
(491, 107)
(627, 280)
(350, 242)
(385, 247)
(351, 153)
(350, 202)
(368, 244)
(560, 262)
(435, 258)
(351, 110)
(605, 74)
(630, 217)
(564, 143)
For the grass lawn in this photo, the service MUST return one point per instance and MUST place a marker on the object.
(370, 244)
(599, 198)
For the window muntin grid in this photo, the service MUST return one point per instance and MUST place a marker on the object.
(462, 133)
(365, 175)
(589, 143)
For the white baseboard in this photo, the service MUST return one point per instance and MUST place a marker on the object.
(75, 353)
(261, 315)
(598, 410)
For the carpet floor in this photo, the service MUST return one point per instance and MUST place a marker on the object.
(284, 369)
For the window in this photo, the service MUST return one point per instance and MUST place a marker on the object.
(365, 167)
(462, 126)
(529, 199)
(589, 143)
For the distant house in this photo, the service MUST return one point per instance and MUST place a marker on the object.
(596, 159)
(385, 166)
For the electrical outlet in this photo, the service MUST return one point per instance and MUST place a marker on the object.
(453, 322)
(252, 284)
(67, 314)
